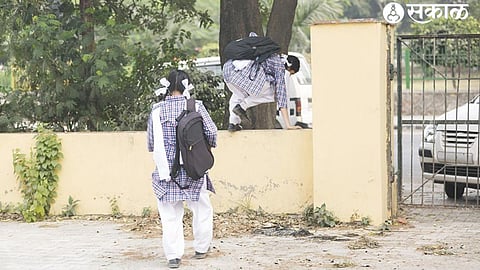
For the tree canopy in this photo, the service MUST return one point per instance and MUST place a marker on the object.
(79, 66)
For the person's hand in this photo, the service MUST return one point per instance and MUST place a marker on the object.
(286, 119)
(294, 127)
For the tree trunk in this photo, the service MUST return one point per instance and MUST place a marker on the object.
(279, 29)
(88, 34)
(280, 23)
(263, 116)
(88, 41)
(237, 20)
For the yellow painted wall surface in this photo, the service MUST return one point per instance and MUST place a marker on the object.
(342, 162)
(271, 169)
(269, 166)
(349, 139)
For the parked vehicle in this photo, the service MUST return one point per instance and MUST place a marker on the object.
(299, 92)
(209, 64)
(450, 150)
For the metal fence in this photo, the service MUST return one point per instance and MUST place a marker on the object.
(438, 82)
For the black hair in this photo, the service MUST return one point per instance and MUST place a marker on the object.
(175, 78)
(293, 62)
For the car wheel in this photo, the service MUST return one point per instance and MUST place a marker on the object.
(454, 191)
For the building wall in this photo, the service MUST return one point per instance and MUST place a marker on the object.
(342, 162)
(271, 169)
(350, 146)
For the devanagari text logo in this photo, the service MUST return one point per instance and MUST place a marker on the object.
(425, 13)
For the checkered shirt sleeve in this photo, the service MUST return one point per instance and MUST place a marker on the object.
(275, 69)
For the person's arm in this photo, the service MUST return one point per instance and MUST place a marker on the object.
(286, 119)
(281, 92)
(209, 127)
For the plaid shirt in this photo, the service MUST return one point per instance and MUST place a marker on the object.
(170, 108)
(252, 78)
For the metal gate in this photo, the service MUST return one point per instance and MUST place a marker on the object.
(438, 108)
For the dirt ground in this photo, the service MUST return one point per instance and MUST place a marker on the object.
(420, 238)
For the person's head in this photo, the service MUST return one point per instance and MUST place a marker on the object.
(292, 64)
(175, 78)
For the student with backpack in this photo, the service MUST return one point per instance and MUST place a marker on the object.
(172, 189)
(254, 79)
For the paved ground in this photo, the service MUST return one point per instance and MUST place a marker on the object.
(430, 238)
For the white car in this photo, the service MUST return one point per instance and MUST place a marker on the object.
(450, 150)
(299, 92)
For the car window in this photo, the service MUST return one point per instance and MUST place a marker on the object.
(215, 68)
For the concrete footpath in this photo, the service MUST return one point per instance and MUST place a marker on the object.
(428, 238)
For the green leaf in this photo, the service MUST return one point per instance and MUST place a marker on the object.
(100, 64)
(111, 22)
(103, 82)
(86, 57)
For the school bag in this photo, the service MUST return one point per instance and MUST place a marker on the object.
(191, 145)
(251, 48)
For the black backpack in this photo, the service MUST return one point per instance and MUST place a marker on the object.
(252, 48)
(191, 143)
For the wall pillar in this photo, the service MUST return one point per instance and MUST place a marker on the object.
(352, 119)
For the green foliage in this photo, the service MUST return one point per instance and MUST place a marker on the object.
(69, 210)
(355, 9)
(357, 219)
(474, 8)
(72, 84)
(320, 216)
(5, 78)
(207, 89)
(38, 175)
(8, 208)
(450, 53)
(5, 85)
(146, 212)
(11, 113)
(448, 26)
(365, 221)
(115, 208)
(209, 49)
(309, 12)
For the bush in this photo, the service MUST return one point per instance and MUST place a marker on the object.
(320, 216)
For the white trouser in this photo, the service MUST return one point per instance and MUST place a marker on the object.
(240, 96)
(171, 215)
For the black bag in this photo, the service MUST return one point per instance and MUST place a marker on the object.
(192, 145)
(252, 48)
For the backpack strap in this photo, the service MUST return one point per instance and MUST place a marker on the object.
(176, 162)
(191, 105)
(255, 68)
